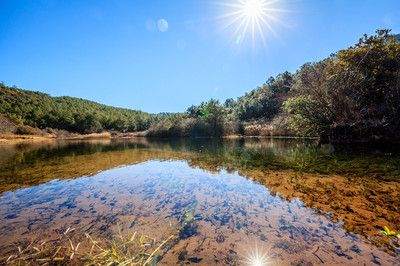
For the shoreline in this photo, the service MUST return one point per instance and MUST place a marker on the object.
(13, 138)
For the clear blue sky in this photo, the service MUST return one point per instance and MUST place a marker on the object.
(114, 52)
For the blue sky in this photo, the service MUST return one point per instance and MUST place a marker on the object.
(114, 52)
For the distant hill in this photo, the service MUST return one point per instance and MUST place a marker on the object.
(73, 114)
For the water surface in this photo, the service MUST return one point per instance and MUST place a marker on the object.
(224, 202)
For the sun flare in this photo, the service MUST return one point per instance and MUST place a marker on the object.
(251, 18)
(252, 9)
(256, 257)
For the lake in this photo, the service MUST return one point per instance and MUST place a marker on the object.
(204, 202)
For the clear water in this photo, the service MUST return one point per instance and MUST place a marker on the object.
(230, 203)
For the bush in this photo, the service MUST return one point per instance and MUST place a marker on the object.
(27, 130)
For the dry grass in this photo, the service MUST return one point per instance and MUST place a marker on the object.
(90, 136)
(16, 138)
(135, 249)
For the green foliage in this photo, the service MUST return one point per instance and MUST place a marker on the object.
(392, 239)
(229, 103)
(205, 120)
(264, 102)
(388, 232)
(353, 95)
(77, 115)
(299, 107)
(210, 118)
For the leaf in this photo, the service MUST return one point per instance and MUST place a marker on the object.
(388, 231)
(205, 113)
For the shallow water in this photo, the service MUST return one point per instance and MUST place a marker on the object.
(234, 202)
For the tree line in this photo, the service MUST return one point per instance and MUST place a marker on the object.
(353, 95)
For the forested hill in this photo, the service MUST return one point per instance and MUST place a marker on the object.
(73, 114)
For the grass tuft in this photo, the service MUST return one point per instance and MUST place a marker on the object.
(134, 249)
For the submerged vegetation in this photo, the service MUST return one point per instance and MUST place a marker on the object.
(351, 96)
(392, 239)
(133, 249)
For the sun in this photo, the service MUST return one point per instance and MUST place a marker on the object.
(253, 9)
(251, 19)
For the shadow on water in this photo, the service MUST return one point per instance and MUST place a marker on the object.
(296, 201)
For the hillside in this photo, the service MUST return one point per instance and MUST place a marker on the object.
(72, 114)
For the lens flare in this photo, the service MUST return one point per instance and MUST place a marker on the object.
(251, 18)
(252, 9)
(256, 257)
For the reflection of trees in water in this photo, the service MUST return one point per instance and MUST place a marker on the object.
(38, 162)
(358, 186)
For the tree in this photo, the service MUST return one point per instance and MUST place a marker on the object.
(264, 102)
(229, 103)
(354, 94)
